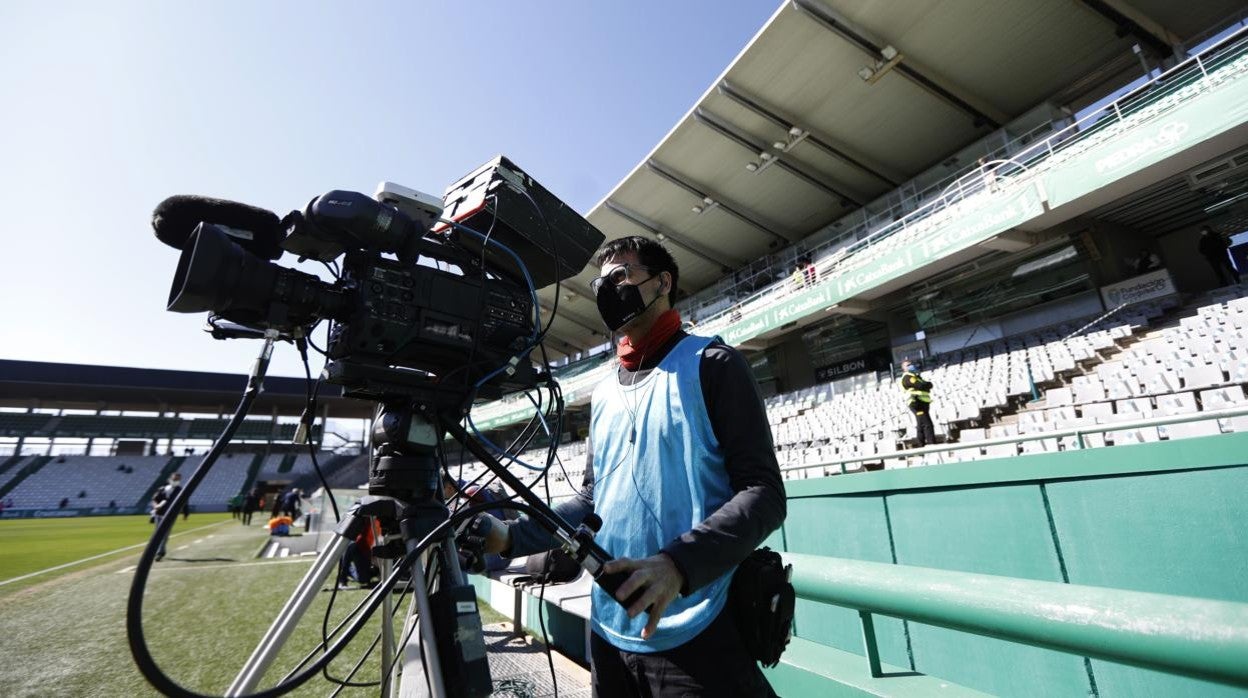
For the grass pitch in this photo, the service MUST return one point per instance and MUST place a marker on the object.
(29, 546)
(207, 605)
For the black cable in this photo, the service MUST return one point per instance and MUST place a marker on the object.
(312, 344)
(352, 614)
(507, 452)
(374, 599)
(476, 336)
(552, 454)
(325, 635)
(554, 249)
(313, 391)
(541, 621)
(134, 605)
(134, 610)
(348, 683)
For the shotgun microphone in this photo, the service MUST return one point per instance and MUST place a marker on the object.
(254, 229)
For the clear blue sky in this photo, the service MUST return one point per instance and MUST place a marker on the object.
(109, 107)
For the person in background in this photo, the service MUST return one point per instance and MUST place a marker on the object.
(1213, 247)
(290, 503)
(798, 278)
(919, 400)
(161, 502)
(251, 502)
(810, 271)
(1145, 261)
(357, 560)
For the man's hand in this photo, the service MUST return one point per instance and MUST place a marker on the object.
(497, 534)
(482, 534)
(657, 576)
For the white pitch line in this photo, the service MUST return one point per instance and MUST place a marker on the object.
(96, 557)
(232, 565)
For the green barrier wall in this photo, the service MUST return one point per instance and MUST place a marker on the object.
(1165, 518)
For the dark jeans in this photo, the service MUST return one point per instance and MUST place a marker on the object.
(160, 552)
(358, 558)
(923, 423)
(714, 663)
(1224, 269)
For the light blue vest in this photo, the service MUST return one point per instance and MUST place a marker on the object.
(658, 472)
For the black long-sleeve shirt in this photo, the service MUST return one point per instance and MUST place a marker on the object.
(757, 506)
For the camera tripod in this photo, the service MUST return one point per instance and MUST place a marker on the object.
(445, 653)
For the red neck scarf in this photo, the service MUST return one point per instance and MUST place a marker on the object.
(631, 355)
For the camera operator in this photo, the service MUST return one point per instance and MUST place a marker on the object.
(683, 472)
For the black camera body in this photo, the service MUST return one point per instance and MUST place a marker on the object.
(433, 320)
(434, 313)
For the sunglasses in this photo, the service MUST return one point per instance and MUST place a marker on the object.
(618, 276)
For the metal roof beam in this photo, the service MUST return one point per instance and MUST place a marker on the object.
(751, 104)
(1126, 25)
(667, 174)
(570, 344)
(714, 123)
(725, 262)
(574, 319)
(569, 285)
(818, 13)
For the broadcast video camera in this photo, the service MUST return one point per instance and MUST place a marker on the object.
(434, 304)
(420, 300)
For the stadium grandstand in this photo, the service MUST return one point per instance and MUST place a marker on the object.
(86, 440)
(1011, 192)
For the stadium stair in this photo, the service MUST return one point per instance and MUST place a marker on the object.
(170, 468)
(1063, 390)
(9, 463)
(26, 472)
(252, 471)
(331, 466)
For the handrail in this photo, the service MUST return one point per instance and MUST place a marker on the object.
(840, 256)
(1077, 432)
(971, 181)
(1199, 638)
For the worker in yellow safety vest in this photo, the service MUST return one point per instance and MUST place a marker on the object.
(919, 400)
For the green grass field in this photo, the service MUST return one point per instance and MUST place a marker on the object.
(30, 545)
(62, 632)
(207, 605)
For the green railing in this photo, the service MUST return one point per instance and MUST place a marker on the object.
(1019, 154)
(1078, 432)
(1199, 638)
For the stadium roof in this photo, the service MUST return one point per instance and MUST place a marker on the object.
(26, 384)
(848, 100)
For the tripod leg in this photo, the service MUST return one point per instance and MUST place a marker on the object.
(414, 682)
(264, 654)
(387, 632)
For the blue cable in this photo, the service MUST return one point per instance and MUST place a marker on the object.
(536, 329)
(537, 323)
(491, 445)
(524, 269)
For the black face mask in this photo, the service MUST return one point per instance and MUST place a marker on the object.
(619, 304)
